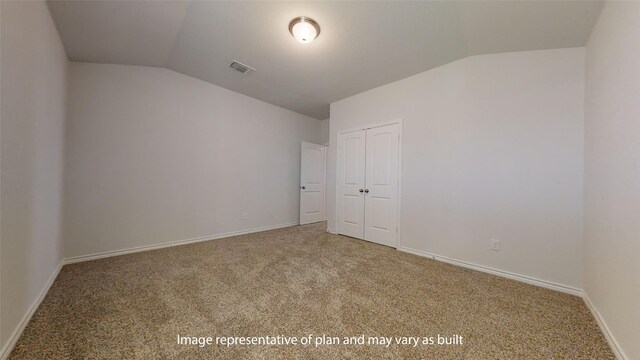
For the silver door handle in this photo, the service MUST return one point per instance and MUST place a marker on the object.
(366, 190)
(361, 190)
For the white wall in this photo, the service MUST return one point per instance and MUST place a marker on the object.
(612, 173)
(155, 156)
(492, 148)
(34, 96)
(324, 131)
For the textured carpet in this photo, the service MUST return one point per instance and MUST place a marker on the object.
(295, 282)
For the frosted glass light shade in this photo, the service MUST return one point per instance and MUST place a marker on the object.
(304, 29)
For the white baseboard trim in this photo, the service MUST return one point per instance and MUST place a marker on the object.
(506, 274)
(106, 254)
(11, 342)
(13, 339)
(613, 343)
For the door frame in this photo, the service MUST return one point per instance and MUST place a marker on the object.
(324, 201)
(367, 127)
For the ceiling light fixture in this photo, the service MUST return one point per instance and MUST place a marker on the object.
(304, 29)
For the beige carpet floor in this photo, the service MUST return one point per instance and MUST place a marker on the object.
(295, 282)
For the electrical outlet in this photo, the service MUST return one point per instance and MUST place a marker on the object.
(245, 216)
(495, 245)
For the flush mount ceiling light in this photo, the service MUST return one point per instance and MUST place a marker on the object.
(304, 29)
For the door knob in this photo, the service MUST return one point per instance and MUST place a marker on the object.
(361, 190)
(302, 187)
(366, 190)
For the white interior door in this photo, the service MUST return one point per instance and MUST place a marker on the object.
(350, 184)
(381, 190)
(312, 167)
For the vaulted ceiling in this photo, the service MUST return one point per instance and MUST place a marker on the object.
(362, 45)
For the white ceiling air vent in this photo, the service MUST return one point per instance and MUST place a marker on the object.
(242, 68)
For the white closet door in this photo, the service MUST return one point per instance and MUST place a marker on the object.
(311, 183)
(381, 190)
(350, 184)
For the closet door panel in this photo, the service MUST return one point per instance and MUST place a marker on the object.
(350, 184)
(381, 190)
